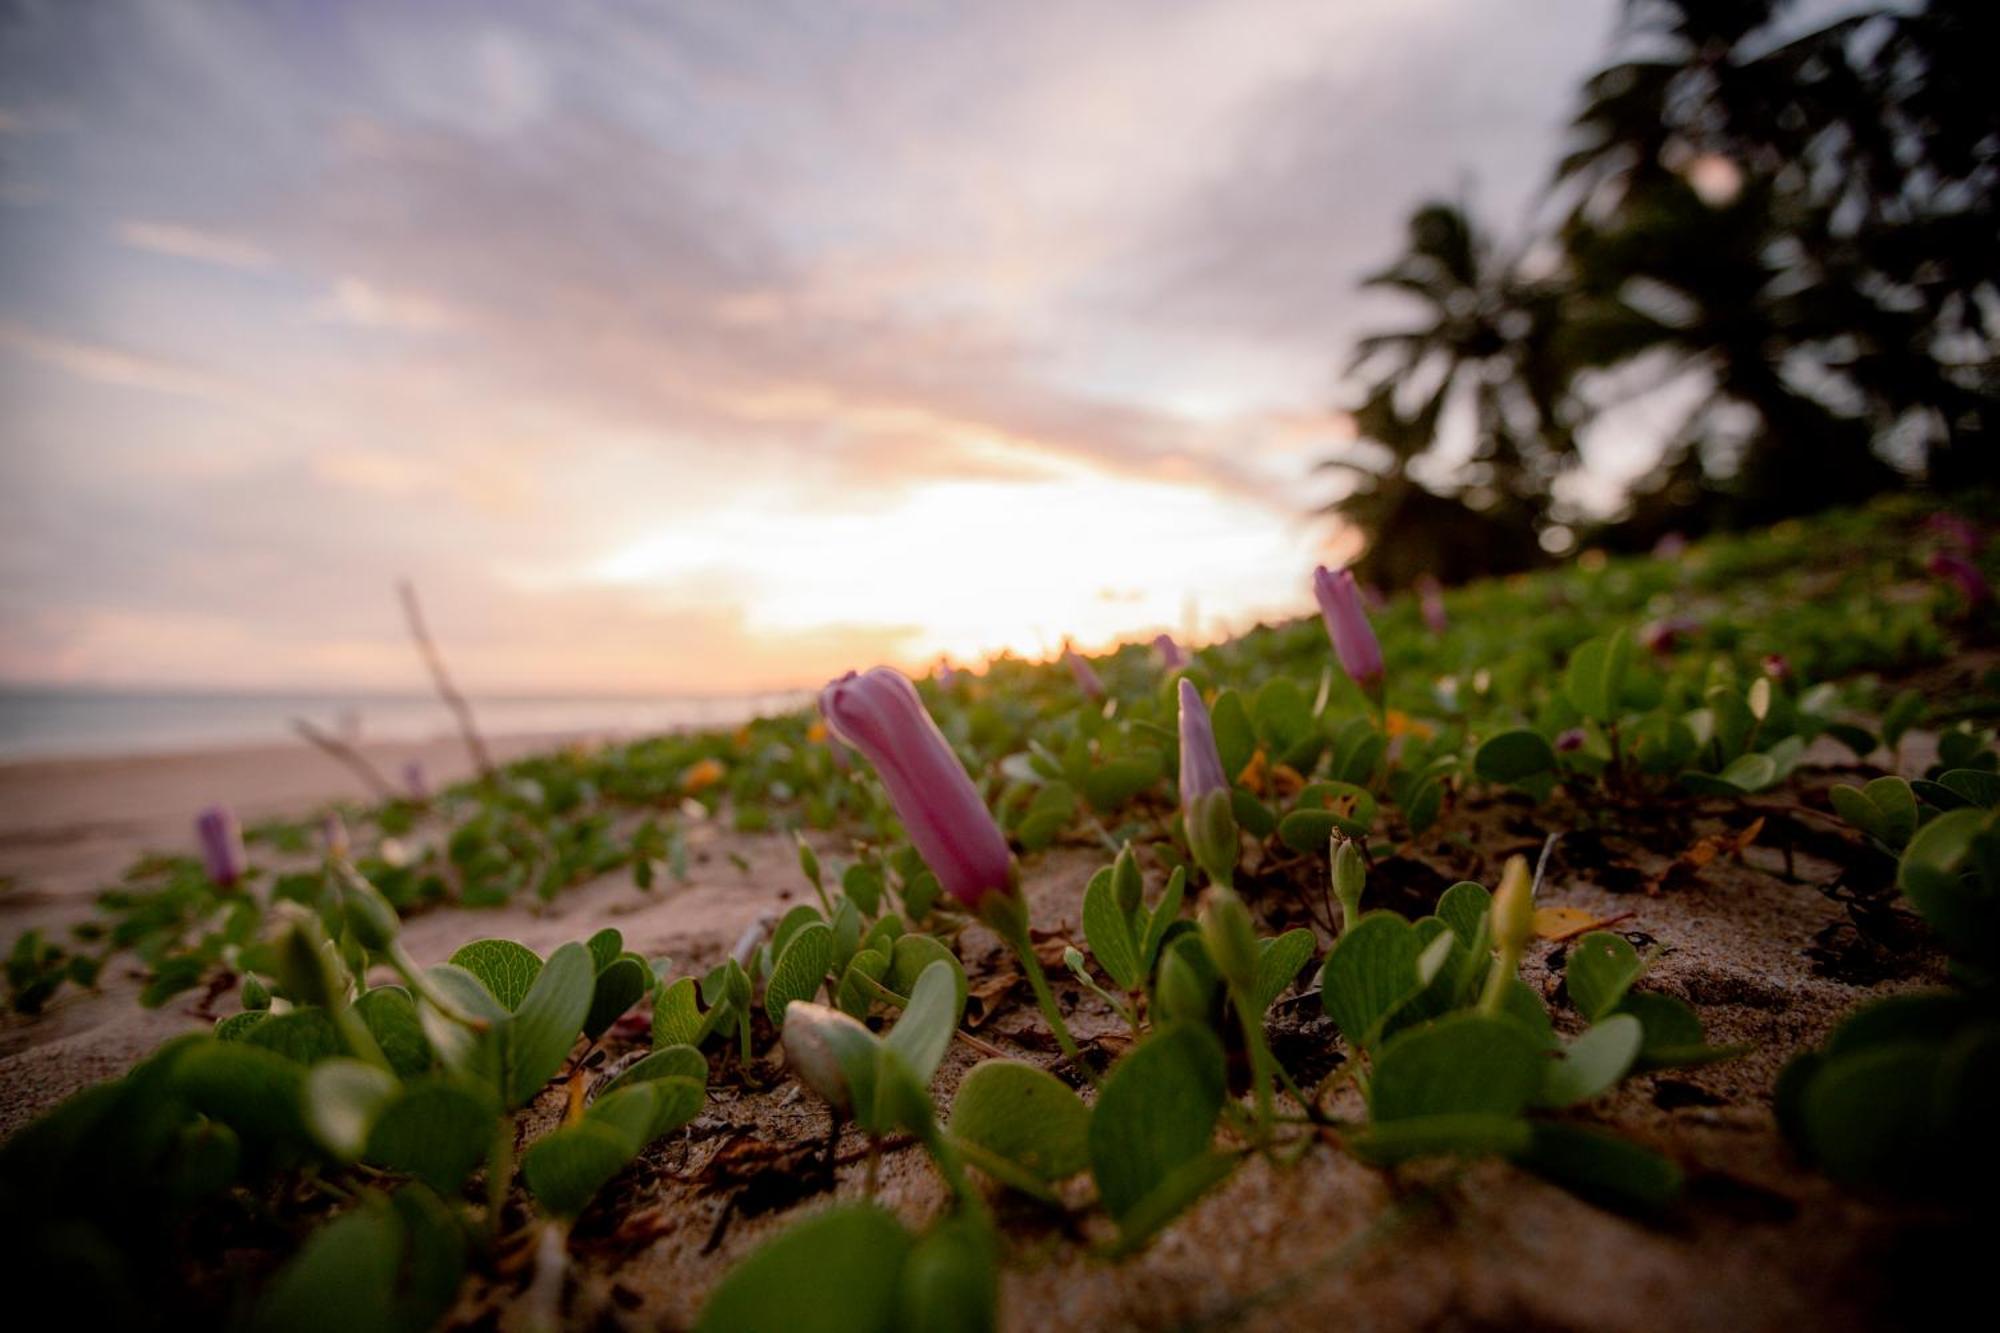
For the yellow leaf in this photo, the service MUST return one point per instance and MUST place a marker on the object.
(1553, 921)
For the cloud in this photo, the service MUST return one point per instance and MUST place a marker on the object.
(111, 366)
(367, 306)
(219, 248)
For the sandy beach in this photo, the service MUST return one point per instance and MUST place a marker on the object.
(1746, 943)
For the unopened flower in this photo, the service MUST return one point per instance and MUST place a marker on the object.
(1205, 798)
(416, 783)
(1957, 532)
(1171, 656)
(1666, 634)
(1430, 600)
(1961, 574)
(1776, 667)
(820, 1047)
(879, 714)
(1354, 641)
(1671, 546)
(1570, 741)
(944, 674)
(221, 844)
(1086, 678)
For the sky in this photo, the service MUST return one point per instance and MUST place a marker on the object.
(703, 346)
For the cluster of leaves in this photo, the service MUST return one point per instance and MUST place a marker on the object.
(388, 1098)
(1902, 1096)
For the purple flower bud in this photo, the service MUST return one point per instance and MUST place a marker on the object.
(1776, 667)
(1570, 741)
(1663, 636)
(1962, 574)
(416, 783)
(221, 844)
(1206, 812)
(1171, 656)
(1430, 599)
(1086, 679)
(1347, 625)
(879, 714)
(1670, 546)
(944, 675)
(1201, 762)
(1955, 531)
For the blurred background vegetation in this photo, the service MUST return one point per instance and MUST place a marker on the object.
(1790, 229)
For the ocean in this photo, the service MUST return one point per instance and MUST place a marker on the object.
(51, 722)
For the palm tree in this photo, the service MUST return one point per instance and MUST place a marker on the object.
(1487, 349)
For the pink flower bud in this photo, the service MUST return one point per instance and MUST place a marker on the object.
(879, 714)
(1956, 532)
(221, 844)
(1671, 546)
(1347, 625)
(1776, 667)
(1430, 599)
(1201, 762)
(1962, 574)
(1571, 741)
(1171, 656)
(1663, 636)
(416, 782)
(1086, 679)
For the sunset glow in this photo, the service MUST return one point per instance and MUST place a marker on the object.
(695, 348)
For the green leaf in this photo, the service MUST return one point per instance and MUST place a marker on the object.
(1602, 1167)
(1465, 1063)
(605, 946)
(923, 1033)
(236, 1027)
(1054, 806)
(1282, 715)
(912, 956)
(1370, 973)
(1023, 1116)
(256, 1092)
(505, 968)
(566, 1168)
(1977, 786)
(1110, 785)
(618, 987)
(862, 883)
(1109, 934)
(835, 1272)
(391, 1264)
(1165, 913)
(391, 1016)
(548, 1020)
(1593, 1063)
(343, 1097)
(1474, 1134)
(677, 1018)
(1673, 1033)
(1235, 738)
(668, 1062)
(800, 969)
(1278, 964)
(1466, 907)
(436, 1130)
(1601, 968)
(1594, 680)
(1155, 1113)
(1176, 1193)
(1514, 755)
(853, 998)
(951, 1281)
(306, 1035)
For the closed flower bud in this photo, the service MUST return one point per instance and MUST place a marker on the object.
(368, 913)
(305, 964)
(1430, 600)
(1187, 982)
(1205, 801)
(1086, 677)
(1514, 908)
(1350, 876)
(1230, 937)
(879, 714)
(1354, 642)
(821, 1046)
(1172, 658)
(221, 845)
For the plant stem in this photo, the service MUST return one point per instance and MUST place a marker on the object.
(499, 1176)
(1038, 981)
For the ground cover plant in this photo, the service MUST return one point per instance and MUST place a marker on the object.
(1265, 969)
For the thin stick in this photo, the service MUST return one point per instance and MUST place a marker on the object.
(446, 690)
(355, 762)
